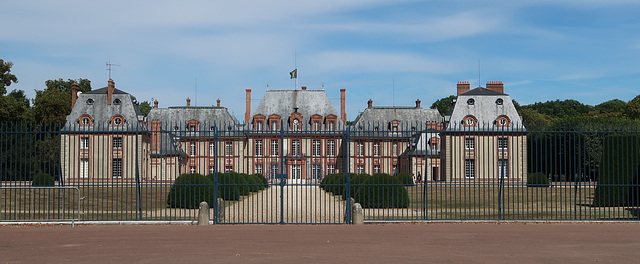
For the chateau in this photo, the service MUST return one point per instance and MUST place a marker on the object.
(297, 133)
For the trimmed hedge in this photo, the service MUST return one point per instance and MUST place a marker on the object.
(232, 185)
(382, 191)
(537, 179)
(43, 179)
(618, 172)
(189, 190)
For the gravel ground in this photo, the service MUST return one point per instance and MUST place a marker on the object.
(302, 204)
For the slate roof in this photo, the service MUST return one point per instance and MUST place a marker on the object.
(94, 103)
(285, 102)
(175, 119)
(486, 109)
(408, 116)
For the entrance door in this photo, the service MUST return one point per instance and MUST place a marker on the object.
(296, 173)
(435, 174)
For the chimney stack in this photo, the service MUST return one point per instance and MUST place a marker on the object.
(218, 102)
(155, 103)
(418, 103)
(495, 86)
(463, 86)
(247, 112)
(369, 103)
(188, 101)
(304, 88)
(110, 88)
(74, 94)
(343, 111)
(156, 126)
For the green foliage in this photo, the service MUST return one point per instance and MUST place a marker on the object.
(611, 106)
(53, 104)
(6, 78)
(444, 104)
(189, 190)
(406, 179)
(537, 179)
(145, 108)
(618, 171)
(43, 179)
(632, 110)
(382, 191)
(560, 109)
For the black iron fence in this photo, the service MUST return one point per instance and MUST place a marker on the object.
(306, 175)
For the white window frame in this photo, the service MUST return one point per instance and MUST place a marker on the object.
(360, 149)
(228, 148)
(469, 143)
(116, 168)
(274, 148)
(316, 148)
(376, 149)
(295, 147)
(84, 142)
(331, 148)
(259, 148)
(116, 142)
(470, 168)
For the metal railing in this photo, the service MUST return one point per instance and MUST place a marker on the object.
(412, 172)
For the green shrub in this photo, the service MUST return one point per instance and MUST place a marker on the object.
(43, 179)
(406, 179)
(382, 191)
(618, 172)
(228, 189)
(357, 180)
(189, 190)
(537, 179)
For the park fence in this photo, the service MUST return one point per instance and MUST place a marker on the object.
(313, 175)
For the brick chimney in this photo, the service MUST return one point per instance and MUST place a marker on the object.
(247, 112)
(188, 101)
(463, 86)
(418, 103)
(110, 88)
(156, 126)
(343, 111)
(218, 102)
(304, 88)
(155, 103)
(74, 94)
(495, 86)
(370, 103)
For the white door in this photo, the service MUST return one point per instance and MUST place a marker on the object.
(296, 173)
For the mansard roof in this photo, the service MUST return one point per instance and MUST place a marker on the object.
(406, 116)
(94, 104)
(205, 115)
(486, 106)
(286, 102)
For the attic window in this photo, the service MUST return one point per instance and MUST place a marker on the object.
(89, 101)
(212, 128)
(469, 121)
(499, 101)
(176, 128)
(502, 121)
(117, 120)
(471, 101)
(116, 101)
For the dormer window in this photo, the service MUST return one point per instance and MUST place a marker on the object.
(469, 121)
(296, 124)
(471, 101)
(499, 101)
(502, 121)
(274, 125)
(393, 125)
(85, 120)
(316, 125)
(89, 101)
(259, 125)
(117, 120)
(117, 101)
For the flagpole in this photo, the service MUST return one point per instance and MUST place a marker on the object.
(295, 62)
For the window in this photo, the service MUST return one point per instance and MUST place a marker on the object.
(331, 168)
(331, 147)
(316, 125)
(274, 125)
(316, 171)
(471, 101)
(117, 101)
(376, 149)
(273, 170)
(258, 168)
(84, 168)
(469, 121)
(116, 143)
(89, 101)
(317, 150)
(470, 168)
(503, 168)
(116, 168)
(332, 125)
(395, 151)
(212, 149)
(499, 101)
(503, 143)
(228, 168)
(259, 148)
(296, 124)
(192, 148)
(295, 147)
(274, 147)
(360, 149)
(212, 169)
(192, 169)
(376, 169)
(228, 148)
(394, 169)
(502, 121)
(84, 143)
(259, 125)
(469, 143)
(360, 169)
(86, 121)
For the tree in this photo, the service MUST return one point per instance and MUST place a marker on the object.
(444, 104)
(560, 109)
(145, 108)
(6, 78)
(632, 110)
(611, 106)
(53, 104)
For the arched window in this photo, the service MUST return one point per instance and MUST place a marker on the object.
(469, 121)
(502, 121)
(85, 120)
(117, 121)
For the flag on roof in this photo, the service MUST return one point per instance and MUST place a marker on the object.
(294, 74)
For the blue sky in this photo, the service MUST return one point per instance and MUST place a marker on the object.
(542, 50)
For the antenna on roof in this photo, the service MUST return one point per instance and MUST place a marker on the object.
(109, 64)
(196, 104)
(394, 91)
(479, 83)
